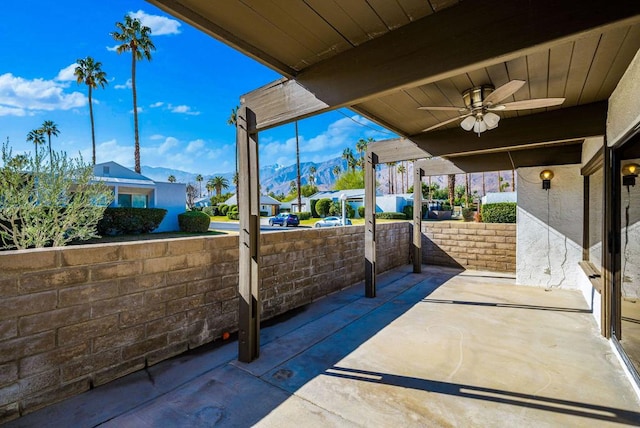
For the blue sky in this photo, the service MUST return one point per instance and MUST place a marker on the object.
(185, 94)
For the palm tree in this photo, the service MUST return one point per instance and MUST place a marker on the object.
(199, 179)
(337, 170)
(219, 182)
(233, 120)
(134, 38)
(513, 180)
(484, 187)
(209, 187)
(451, 184)
(361, 148)
(50, 128)
(171, 178)
(390, 170)
(35, 136)
(298, 184)
(90, 73)
(312, 176)
(402, 170)
(347, 154)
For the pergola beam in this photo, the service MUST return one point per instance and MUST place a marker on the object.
(416, 246)
(396, 150)
(370, 223)
(567, 124)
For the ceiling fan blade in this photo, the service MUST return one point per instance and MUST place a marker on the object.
(445, 122)
(460, 109)
(503, 92)
(529, 104)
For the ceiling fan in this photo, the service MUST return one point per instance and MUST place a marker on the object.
(481, 101)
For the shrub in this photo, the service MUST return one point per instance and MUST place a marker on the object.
(361, 211)
(323, 206)
(120, 220)
(210, 211)
(392, 216)
(264, 213)
(336, 209)
(194, 221)
(223, 209)
(502, 212)
(304, 215)
(312, 204)
(408, 211)
(233, 214)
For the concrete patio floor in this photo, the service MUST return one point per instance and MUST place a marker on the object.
(440, 348)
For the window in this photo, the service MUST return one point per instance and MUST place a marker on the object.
(133, 200)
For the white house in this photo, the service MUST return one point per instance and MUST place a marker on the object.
(131, 189)
(267, 204)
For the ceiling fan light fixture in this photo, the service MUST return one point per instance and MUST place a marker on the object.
(491, 119)
(468, 123)
(480, 126)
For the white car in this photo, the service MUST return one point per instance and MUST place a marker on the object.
(330, 222)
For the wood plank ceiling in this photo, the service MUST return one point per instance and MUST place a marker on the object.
(304, 39)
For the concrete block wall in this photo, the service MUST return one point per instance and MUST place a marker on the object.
(76, 317)
(482, 246)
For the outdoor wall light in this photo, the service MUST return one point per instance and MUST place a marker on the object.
(546, 176)
(629, 174)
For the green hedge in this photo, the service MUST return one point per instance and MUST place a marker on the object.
(233, 214)
(361, 211)
(304, 215)
(223, 209)
(128, 221)
(211, 211)
(194, 221)
(502, 212)
(408, 211)
(392, 216)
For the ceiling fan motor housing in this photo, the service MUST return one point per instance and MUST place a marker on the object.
(474, 97)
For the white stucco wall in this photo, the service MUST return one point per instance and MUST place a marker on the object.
(624, 108)
(548, 256)
(170, 196)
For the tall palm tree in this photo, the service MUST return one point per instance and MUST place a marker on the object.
(209, 187)
(361, 148)
(90, 73)
(298, 184)
(513, 180)
(171, 178)
(233, 120)
(337, 170)
(312, 175)
(135, 38)
(484, 187)
(50, 128)
(390, 171)
(402, 170)
(35, 136)
(219, 182)
(451, 184)
(199, 179)
(347, 154)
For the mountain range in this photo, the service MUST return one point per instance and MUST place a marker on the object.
(277, 178)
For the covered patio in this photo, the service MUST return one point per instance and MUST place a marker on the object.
(439, 348)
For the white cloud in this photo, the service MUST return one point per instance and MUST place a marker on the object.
(157, 104)
(169, 143)
(66, 74)
(160, 25)
(183, 109)
(156, 137)
(195, 146)
(126, 85)
(20, 96)
(140, 110)
(113, 48)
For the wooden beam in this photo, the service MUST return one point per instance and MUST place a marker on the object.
(440, 46)
(396, 150)
(416, 246)
(438, 166)
(553, 126)
(249, 263)
(370, 224)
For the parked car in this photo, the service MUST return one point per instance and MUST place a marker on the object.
(284, 220)
(330, 222)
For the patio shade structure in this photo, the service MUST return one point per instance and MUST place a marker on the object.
(385, 59)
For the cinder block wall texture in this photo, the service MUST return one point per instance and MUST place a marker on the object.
(76, 317)
(482, 246)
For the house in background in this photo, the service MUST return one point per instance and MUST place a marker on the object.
(267, 204)
(131, 189)
(355, 198)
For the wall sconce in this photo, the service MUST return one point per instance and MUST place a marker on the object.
(546, 177)
(629, 174)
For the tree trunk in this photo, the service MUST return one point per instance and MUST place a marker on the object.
(513, 180)
(451, 182)
(135, 112)
(93, 133)
(484, 188)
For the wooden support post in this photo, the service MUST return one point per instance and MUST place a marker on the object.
(370, 224)
(249, 265)
(416, 246)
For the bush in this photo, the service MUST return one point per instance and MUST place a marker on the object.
(361, 211)
(233, 214)
(502, 212)
(194, 221)
(323, 206)
(223, 209)
(211, 211)
(336, 209)
(118, 221)
(408, 211)
(392, 216)
(304, 215)
(312, 204)
(264, 213)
